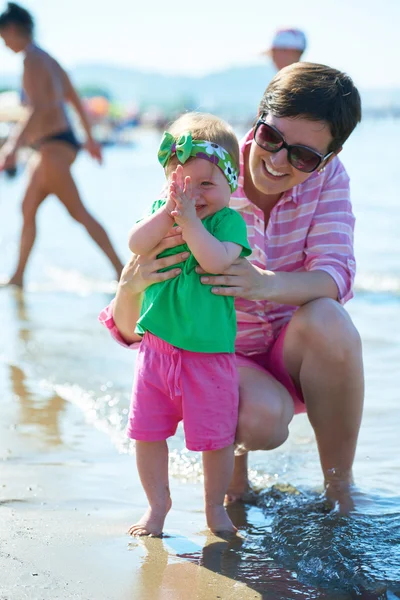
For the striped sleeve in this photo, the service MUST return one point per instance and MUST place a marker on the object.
(106, 318)
(329, 245)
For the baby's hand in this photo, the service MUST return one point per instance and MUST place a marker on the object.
(180, 191)
(170, 205)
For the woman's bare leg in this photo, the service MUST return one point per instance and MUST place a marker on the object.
(218, 469)
(57, 158)
(152, 464)
(323, 354)
(265, 411)
(34, 196)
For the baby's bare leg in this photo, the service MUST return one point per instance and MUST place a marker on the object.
(218, 470)
(152, 464)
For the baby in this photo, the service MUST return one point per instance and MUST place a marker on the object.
(185, 368)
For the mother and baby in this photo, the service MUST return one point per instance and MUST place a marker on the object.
(296, 348)
(268, 223)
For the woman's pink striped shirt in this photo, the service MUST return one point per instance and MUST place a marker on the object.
(310, 228)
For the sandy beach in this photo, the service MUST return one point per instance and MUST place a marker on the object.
(66, 500)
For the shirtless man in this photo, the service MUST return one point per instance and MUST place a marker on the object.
(47, 88)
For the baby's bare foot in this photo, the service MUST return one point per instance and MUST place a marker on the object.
(151, 523)
(218, 520)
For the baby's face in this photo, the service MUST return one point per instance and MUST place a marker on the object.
(210, 186)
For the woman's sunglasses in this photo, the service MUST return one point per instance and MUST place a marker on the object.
(302, 158)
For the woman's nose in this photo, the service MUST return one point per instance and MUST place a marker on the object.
(279, 159)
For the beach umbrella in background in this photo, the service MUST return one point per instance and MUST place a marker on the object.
(116, 111)
(98, 107)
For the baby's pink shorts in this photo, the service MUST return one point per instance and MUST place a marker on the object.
(172, 385)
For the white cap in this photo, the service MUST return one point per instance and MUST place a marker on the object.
(291, 39)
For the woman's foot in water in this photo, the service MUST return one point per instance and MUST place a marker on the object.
(239, 489)
(339, 495)
(152, 522)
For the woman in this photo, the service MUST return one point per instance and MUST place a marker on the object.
(47, 89)
(297, 349)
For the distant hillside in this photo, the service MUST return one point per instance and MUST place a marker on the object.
(234, 92)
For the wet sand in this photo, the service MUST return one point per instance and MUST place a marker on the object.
(66, 500)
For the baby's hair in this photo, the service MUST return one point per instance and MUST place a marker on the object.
(204, 126)
(18, 16)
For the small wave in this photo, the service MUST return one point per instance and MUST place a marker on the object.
(102, 411)
(356, 555)
(378, 283)
(72, 281)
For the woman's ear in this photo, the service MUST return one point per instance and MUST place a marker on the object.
(328, 160)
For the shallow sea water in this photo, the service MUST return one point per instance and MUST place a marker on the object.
(50, 334)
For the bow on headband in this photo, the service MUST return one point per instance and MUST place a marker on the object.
(182, 148)
(185, 147)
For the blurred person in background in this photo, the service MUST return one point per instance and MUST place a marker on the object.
(287, 47)
(47, 88)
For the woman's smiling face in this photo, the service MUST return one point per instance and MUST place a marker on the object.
(272, 173)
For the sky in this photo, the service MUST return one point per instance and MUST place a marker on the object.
(360, 37)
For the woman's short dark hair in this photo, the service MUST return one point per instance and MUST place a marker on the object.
(18, 16)
(318, 93)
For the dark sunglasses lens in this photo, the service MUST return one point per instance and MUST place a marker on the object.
(268, 139)
(303, 159)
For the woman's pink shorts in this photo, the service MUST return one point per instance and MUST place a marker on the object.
(272, 362)
(172, 385)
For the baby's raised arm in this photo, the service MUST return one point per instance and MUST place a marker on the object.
(213, 255)
(145, 235)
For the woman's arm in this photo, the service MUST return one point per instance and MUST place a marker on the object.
(245, 280)
(137, 275)
(329, 264)
(146, 234)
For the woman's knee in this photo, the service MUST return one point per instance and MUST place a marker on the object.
(264, 425)
(325, 327)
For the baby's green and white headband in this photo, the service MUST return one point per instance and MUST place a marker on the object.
(185, 147)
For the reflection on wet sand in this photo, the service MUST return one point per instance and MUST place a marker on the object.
(21, 315)
(44, 413)
(36, 409)
(176, 567)
(165, 576)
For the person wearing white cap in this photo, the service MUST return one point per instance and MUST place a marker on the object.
(287, 47)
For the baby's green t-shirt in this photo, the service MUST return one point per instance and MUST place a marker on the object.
(184, 312)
